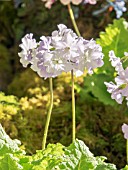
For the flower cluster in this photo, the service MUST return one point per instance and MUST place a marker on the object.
(120, 89)
(63, 51)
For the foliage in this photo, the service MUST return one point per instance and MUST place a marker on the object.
(94, 121)
(9, 106)
(114, 38)
(55, 156)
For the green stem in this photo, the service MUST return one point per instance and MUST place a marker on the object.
(127, 151)
(73, 109)
(73, 19)
(48, 115)
(72, 77)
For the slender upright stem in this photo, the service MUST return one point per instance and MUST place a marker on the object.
(73, 109)
(72, 77)
(73, 19)
(127, 151)
(48, 115)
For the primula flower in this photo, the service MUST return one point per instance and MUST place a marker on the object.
(120, 89)
(75, 2)
(48, 3)
(62, 52)
(92, 2)
(125, 130)
(28, 44)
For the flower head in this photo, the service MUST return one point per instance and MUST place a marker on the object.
(62, 52)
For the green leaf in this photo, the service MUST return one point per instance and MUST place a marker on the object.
(55, 157)
(95, 85)
(114, 38)
(125, 168)
(7, 145)
(105, 166)
(9, 162)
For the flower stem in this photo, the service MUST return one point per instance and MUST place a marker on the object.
(73, 108)
(73, 20)
(48, 115)
(72, 77)
(127, 151)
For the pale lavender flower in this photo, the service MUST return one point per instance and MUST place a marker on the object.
(120, 89)
(62, 52)
(92, 2)
(115, 61)
(28, 46)
(115, 92)
(66, 2)
(48, 3)
(91, 56)
(125, 130)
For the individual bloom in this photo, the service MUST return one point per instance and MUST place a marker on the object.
(51, 64)
(28, 47)
(125, 130)
(65, 40)
(115, 92)
(122, 81)
(48, 3)
(44, 44)
(59, 35)
(91, 55)
(66, 2)
(92, 2)
(115, 61)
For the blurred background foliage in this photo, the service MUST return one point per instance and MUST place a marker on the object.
(24, 95)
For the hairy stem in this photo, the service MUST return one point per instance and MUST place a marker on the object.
(73, 109)
(48, 115)
(73, 19)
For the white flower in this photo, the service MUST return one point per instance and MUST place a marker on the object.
(120, 89)
(28, 46)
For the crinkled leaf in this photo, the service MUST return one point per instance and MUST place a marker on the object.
(7, 145)
(9, 162)
(55, 157)
(114, 38)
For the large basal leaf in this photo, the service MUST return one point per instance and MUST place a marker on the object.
(9, 162)
(7, 145)
(78, 157)
(55, 157)
(95, 85)
(114, 38)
